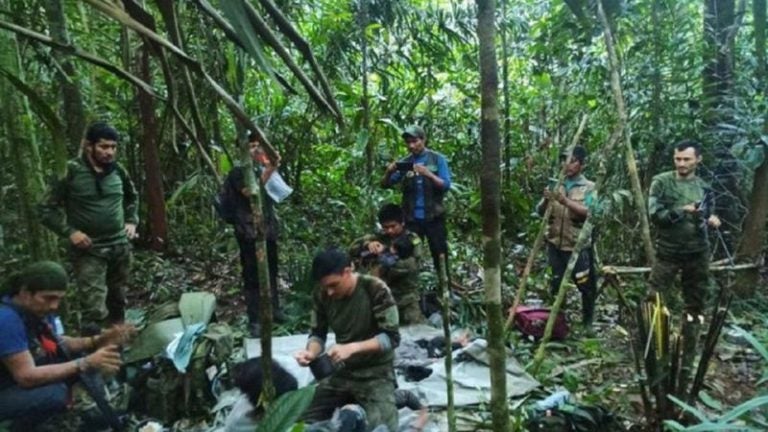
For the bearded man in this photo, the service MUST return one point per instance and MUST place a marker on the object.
(94, 206)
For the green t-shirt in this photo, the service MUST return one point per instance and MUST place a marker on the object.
(369, 311)
(677, 232)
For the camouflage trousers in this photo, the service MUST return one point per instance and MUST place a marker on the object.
(375, 394)
(409, 310)
(101, 275)
(694, 276)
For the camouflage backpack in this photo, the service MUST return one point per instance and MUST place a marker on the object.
(160, 390)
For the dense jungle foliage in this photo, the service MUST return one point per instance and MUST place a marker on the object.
(332, 87)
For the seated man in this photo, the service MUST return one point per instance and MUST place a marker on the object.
(36, 369)
(361, 312)
(372, 254)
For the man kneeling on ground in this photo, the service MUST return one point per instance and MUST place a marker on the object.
(35, 371)
(360, 310)
(393, 256)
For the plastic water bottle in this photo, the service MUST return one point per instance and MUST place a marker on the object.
(554, 400)
(58, 326)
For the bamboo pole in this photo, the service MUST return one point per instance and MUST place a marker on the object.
(629, 153)
(445, 295)
(619, 270)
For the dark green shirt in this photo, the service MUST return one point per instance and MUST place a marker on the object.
(368, 312)
(98, 204)
(677, 232)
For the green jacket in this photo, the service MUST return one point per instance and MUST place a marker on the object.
(677, 232)
(370, 311)
(97, 204)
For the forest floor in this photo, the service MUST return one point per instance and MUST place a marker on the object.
(595, 366)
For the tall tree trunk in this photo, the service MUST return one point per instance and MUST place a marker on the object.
(490, 196)
(158, 223)
(717, 85)
(629, 153)
(753, 231)
(72, 108)
(24, 151)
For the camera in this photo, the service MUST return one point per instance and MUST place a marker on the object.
(404, 166)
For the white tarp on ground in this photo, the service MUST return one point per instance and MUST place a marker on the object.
(471, 375)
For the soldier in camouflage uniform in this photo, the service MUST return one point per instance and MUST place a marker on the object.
(94, 205)
(680, 207)
(370, 255)
(360, 310)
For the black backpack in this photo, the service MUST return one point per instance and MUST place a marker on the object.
(224, 201)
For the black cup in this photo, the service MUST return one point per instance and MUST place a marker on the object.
(322, 367)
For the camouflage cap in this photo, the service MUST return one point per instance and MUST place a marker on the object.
(414, 131)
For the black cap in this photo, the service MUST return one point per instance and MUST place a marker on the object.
(579, 153)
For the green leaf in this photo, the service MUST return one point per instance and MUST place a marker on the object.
(698, 414)
(743, 408)
(286, 410)
(235, 12)
(710, 401)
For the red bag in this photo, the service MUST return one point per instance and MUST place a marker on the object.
(531, 321)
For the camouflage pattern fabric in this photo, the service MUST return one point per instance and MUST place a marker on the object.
(402, 277)
(375, 395)
(694, 270)
(102, 275)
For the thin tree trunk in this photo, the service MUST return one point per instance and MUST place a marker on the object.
(265, 293)
(72, 108)
(24, 152)
(507, 131)
(445, 296)
(168, 12)
(158, 223)
(365, 103)
(490, 197)
(657, 109)
(581, 243)
(629, 153)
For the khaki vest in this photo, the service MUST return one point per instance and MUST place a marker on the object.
(564, 226)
